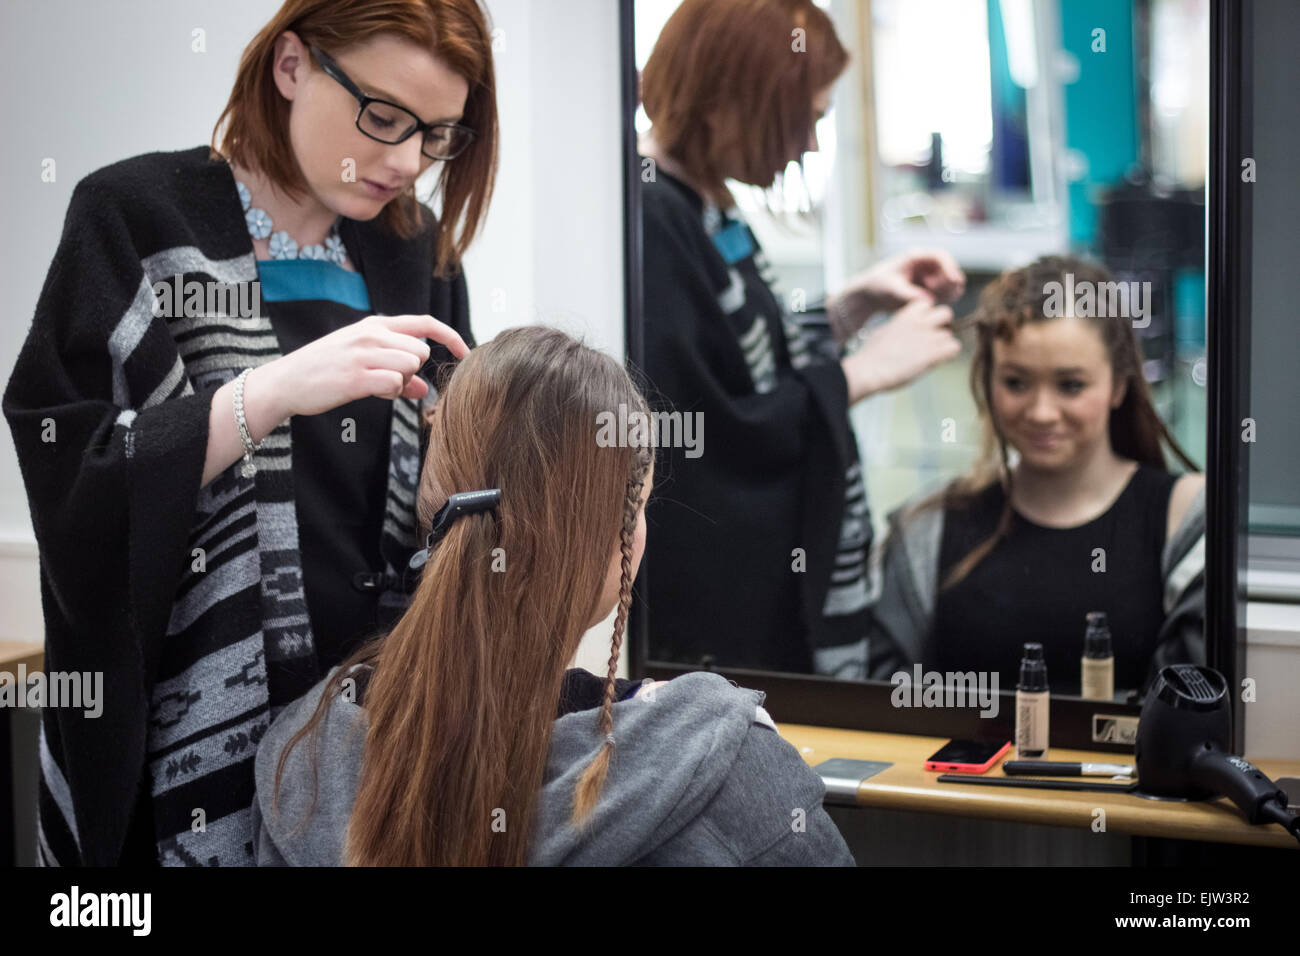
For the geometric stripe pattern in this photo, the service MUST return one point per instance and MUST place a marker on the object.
(239, 624)
(847, 593)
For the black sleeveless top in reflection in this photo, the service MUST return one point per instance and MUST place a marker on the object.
(1039, 583)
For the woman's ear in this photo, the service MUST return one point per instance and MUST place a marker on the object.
(288, 63)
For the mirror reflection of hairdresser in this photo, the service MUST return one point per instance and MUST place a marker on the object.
(441, 743)
(760, 552)
(208, 594)
(1085, 517)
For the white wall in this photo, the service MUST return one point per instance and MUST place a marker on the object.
(93, 82)
(552, 252)
(1273, 661)
(89, 85)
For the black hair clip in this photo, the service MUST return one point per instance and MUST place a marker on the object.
(461, 503)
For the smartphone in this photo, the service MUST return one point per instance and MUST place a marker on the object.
(967, 756)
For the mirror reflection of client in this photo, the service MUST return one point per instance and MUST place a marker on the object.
(1085, 517)
(762, 533)
(440, 743)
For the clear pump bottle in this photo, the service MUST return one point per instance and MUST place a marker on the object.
(1098, 676)
(1032, 705)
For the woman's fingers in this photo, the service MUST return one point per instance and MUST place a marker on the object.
(936, 270)
(915, 310)
(427, 327)
(926, 312)
(383, 382)
(904, 291)
(384, 338)
(399, 360)
(416, 388)
(942, 316)
(949, 347)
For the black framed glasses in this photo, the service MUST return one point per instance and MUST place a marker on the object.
(389, 123)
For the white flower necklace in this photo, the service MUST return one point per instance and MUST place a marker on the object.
(284, 246)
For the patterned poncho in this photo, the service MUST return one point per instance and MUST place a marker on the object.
(109, 406)
(757, 550)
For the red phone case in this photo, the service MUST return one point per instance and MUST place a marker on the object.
(944, 766)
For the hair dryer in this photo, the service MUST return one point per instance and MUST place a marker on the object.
(1182, 747)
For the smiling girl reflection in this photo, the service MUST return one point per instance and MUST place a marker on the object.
(1085, 517)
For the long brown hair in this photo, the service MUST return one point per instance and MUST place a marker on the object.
(256, 117)
(1136, 431)
(719, 66)
(464, 689)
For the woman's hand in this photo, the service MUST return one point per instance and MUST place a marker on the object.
(376, 356)
(917, 338)
(916, 275)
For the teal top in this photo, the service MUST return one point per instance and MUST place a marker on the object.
(289, 280)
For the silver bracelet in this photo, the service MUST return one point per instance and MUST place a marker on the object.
(845, 329)
(841, 322)
(248, 469)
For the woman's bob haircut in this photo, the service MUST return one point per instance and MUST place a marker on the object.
(256, 118)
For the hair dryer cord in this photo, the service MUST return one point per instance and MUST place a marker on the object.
(1276, 813)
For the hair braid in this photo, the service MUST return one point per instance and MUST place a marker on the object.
(593, 778)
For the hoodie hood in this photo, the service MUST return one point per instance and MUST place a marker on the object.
(675, 746)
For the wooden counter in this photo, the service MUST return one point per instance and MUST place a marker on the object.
(13, 653)
(908, 786)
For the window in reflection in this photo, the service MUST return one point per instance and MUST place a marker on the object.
(933, 109)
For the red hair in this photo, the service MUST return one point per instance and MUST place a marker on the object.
(256, 117)
(729, 85)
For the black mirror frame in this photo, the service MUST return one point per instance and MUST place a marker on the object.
(1228, 255)
(821, 701)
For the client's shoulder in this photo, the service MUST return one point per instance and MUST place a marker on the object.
(701, 689)
(343, 711)
(1183, 499)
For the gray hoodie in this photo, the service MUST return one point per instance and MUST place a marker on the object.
(700, 777)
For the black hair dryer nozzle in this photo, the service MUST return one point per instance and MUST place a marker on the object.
(1183, 747)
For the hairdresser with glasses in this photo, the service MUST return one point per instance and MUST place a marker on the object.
(217, 412)
(759, 558)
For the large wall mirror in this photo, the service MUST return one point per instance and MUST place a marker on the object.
(869, 465)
